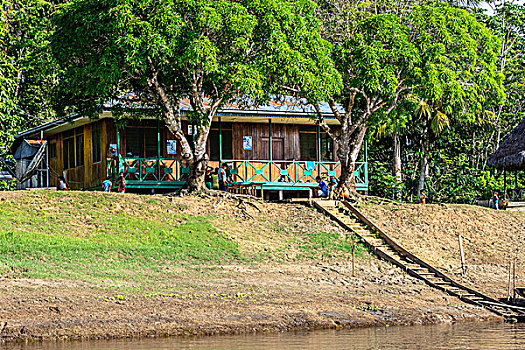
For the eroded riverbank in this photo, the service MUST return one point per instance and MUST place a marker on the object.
(93, 266)
(231, 299)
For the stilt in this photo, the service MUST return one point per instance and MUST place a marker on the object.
(281, 195)
(504, 184)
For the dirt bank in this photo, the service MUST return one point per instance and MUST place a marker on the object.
(231, 299)
(491, 239)
(284, 279)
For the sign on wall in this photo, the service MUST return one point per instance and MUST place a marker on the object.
(247, 143)
(171, 146)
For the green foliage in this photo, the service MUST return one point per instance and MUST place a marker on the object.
(27, 70)
(382, 182)
(112, 48)
(458, 54)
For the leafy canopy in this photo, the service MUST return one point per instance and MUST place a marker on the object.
(216, 48)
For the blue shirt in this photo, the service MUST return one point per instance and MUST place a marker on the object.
(106, 185)
(323, 187)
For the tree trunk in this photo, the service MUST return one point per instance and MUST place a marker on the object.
(195, 181)
(424, 160)
(397, 165)
(348, 153)
(195, 159)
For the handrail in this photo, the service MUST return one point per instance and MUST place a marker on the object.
(242, 170)
(411, 256)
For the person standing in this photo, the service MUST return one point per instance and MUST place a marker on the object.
(106, 185)
(495, 201)
(222, 177)
(121, 184)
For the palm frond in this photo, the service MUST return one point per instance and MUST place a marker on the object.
(439, 122)
(423, 111)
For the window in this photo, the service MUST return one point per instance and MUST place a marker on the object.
(308, 142)
(327, 147)
(73, 148)
(95, 135)
(141, 142)
(53, 150)
(79, 149)
(227, 137)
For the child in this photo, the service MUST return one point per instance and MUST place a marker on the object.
(495, 200)
(322, 188)
(344, 193)
(208, 178)
(121, 184)
(223, 177)
(332, 185)
(62, 184)
(106, 185)
(422, 197)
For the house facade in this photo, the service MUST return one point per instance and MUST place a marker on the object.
(275, 147)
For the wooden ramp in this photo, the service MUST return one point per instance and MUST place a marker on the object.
(381, 244)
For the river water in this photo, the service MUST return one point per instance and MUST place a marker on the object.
(478, 336)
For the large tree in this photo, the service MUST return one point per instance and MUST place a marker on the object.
(152, 53)
(27, 70)
(436, 52)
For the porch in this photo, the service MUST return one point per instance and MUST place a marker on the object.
(254, 175)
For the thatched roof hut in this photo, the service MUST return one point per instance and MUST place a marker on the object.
(511, 153)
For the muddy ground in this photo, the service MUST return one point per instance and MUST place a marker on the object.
(237, 299)
(277, 294)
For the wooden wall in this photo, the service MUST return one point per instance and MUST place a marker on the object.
(90, 174)
(286, 146)
(285, 139)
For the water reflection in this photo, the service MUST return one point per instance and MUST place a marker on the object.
(494, 336)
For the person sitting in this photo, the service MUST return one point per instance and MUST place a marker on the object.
(208, 178)
(322, 189)
(62, 184)
(332, 186)
(423, 197)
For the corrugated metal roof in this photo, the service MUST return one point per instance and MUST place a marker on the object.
(286, 107)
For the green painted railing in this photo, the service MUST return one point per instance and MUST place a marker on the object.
(166, 171)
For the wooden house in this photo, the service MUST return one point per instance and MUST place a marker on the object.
(276, 147)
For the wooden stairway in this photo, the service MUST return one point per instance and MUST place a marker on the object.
(381, 244)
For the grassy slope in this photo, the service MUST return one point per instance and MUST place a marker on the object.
(142, 241)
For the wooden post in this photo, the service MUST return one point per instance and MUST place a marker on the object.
(463, 269)
(354, 246)
(271, 148)
(220, 141)
(508, 286)
(514, 280)
(318, 150)
(504, 184)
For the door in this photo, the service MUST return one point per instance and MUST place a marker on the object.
(277, 148)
